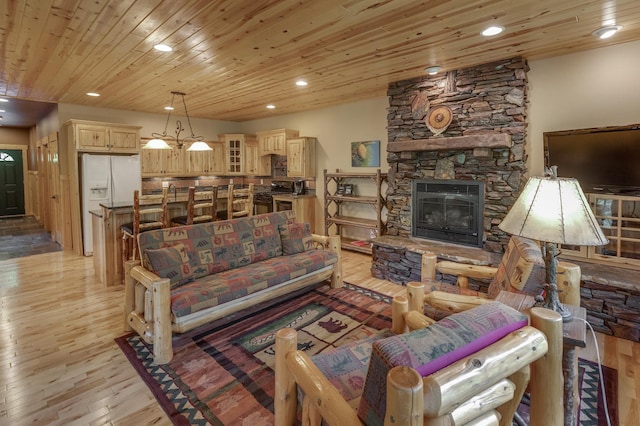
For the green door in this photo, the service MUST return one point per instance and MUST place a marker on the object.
(11, 183)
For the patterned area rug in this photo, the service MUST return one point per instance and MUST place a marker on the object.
(223, 374)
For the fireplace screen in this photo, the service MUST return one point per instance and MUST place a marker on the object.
(448, 210)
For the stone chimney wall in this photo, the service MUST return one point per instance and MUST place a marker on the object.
(486, 100)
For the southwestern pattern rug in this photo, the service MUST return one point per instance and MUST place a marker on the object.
(222, 373)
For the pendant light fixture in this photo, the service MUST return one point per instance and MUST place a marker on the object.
(159, 142)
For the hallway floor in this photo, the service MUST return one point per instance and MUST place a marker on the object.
(24, 236)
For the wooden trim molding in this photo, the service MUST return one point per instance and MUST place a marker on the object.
(454, 143)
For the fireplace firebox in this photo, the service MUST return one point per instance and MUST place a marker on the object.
(448, 210)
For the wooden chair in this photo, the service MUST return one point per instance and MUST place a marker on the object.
(484, 386)
(521, 270)
(239, 201)
(202, 206)
(149, 212)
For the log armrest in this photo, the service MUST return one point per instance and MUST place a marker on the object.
(148, 309)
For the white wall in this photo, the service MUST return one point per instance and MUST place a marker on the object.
(335, 128)
(595, 88)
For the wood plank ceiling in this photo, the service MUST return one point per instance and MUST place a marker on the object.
(233, 57)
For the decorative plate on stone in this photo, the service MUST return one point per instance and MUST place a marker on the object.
(438, 119)
(419, 105)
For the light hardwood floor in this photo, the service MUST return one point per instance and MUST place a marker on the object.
(61, 366)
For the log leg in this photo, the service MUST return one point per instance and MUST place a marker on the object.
(546, 373)
(285, 398)
(520, 379)
(162, 344)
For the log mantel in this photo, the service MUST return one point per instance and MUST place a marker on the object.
(454, 143)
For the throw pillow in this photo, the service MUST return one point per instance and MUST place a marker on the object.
(171, 262)
(295, 238)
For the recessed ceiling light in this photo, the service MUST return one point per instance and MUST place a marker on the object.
(1, 110)
(271, 106)
(433, 70)
(93, 94)
(169, 108)
(493, 30)
(301, 83)
(606, 32)
(163, 48)
(4, 100)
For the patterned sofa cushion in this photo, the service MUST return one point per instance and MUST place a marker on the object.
(219, 246)
(433, 348)
(295, 238)
(173, 263)
(521, 269)
(232, 284)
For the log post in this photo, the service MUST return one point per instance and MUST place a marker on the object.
(404, 397)
(335, 246)
(129, 292)
(399, 306)
(569, 283)
(546, 373)
(285, 398)
(428, 265)
(415, 295)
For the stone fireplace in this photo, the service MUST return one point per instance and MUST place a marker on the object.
(484, 142)
(448, 210)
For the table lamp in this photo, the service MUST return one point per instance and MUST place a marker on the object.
(554, 211)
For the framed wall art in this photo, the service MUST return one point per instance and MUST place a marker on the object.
(365, 154)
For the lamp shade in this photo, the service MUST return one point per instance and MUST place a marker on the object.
(199, 146)
(554, 210)
(156, 144)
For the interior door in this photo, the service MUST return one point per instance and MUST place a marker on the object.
(11, 183)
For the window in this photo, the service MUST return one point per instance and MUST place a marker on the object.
(5, 157)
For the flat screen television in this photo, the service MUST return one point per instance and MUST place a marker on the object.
(603, 160)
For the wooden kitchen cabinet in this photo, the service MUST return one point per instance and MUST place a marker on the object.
(93, 136)
(198, 163)
(275, 141)
(254, 163)
(301, 157)
(235, 151)
(162, 162)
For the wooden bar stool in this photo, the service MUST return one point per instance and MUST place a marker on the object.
(149, 212)
(239, 201)
(202, 206)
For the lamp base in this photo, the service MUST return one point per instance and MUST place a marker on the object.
(551, 301)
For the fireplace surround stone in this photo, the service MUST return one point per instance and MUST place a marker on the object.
(485, 141)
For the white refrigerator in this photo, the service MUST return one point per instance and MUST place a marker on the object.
(106, 179)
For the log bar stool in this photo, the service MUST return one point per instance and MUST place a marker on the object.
(202, 206)
(239, 201)
(149, 212)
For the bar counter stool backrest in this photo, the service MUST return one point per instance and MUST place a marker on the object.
(202, 206)
(239, 201)
(149, 212)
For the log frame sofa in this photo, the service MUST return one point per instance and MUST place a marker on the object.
(242, 262)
